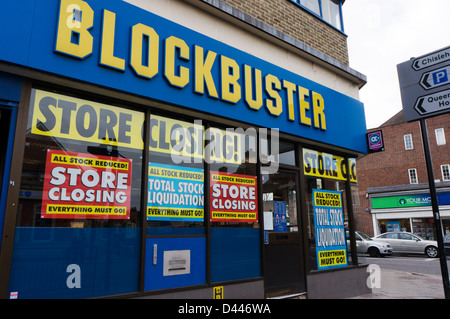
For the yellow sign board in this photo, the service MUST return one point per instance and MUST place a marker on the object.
(327, 165)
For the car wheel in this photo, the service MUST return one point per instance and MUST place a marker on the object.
(431, 251)
(373, 252)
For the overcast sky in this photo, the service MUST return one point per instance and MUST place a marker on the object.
(384, 33)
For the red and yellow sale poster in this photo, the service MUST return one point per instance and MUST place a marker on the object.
(233, 198)
(86, 186)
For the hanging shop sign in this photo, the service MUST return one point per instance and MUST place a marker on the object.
(78, 185)
(326, 165)
(119, 46)
(175, 193)
(375, 142)
(233, 198)
(331, 244)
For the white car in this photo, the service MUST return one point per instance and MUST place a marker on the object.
(404, 242)
(365, 245)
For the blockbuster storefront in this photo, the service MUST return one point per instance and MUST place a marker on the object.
(142, 159)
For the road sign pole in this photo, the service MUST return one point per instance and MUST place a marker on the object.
(435, 206)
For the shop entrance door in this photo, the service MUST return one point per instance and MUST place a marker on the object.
(284, 271)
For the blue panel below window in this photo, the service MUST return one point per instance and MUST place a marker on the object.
(154, 269)
(235, 253)
(108, 260)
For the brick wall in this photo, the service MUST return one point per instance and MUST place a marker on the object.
(296, 22)
(390, 168)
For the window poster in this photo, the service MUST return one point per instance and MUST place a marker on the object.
(175, 193)
(331, 244)
(233, 198)
(279, 216)
(86, 186)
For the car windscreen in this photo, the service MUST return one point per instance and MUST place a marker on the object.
(364, 236)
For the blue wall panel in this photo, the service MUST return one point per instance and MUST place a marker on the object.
(154, 278)
(108, 259)
(235, 253)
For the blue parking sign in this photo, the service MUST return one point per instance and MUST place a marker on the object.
(440, 76)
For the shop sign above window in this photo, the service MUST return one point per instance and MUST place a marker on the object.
(118, 46)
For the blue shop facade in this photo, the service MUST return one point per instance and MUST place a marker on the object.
(142, 159)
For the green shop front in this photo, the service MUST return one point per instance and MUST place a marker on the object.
(145, 160)
(406, 208)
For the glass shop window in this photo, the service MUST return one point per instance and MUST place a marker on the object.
(235, 234)
(327, 210)
(78, 223)
(175, 177)
(327, 224)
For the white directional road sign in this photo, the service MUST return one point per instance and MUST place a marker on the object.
(433, 103)
(431, 59)
(425, 85)
(435, 78)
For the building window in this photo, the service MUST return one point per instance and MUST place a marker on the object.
(445, 170)
(80, 199)
(412, 176)
(440, 136)
(312, 5)
(408, 142)
(327, 10)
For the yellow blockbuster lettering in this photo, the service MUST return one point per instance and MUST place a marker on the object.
(290, 89)
(231, 90)
(256, 102)
(108, 35)
(304, 105)
(319, 108)
(73, 36)
(144, 62)
(181, 61)
(182, 79)
(203, 72)
(273, 85)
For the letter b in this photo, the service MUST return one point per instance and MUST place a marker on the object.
(73, 37)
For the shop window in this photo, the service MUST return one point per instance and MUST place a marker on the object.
(445, 170)
(424, 227)
(175, 203)
(78, 225)
(412, 172)
(287, 154)
(175, 214)
(408, 142)
(440, 136)
(327, 213)
(233, 187)
(394, 226)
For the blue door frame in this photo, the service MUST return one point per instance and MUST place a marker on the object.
(12, 107)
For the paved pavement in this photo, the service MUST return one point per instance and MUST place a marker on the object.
(393, 284)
